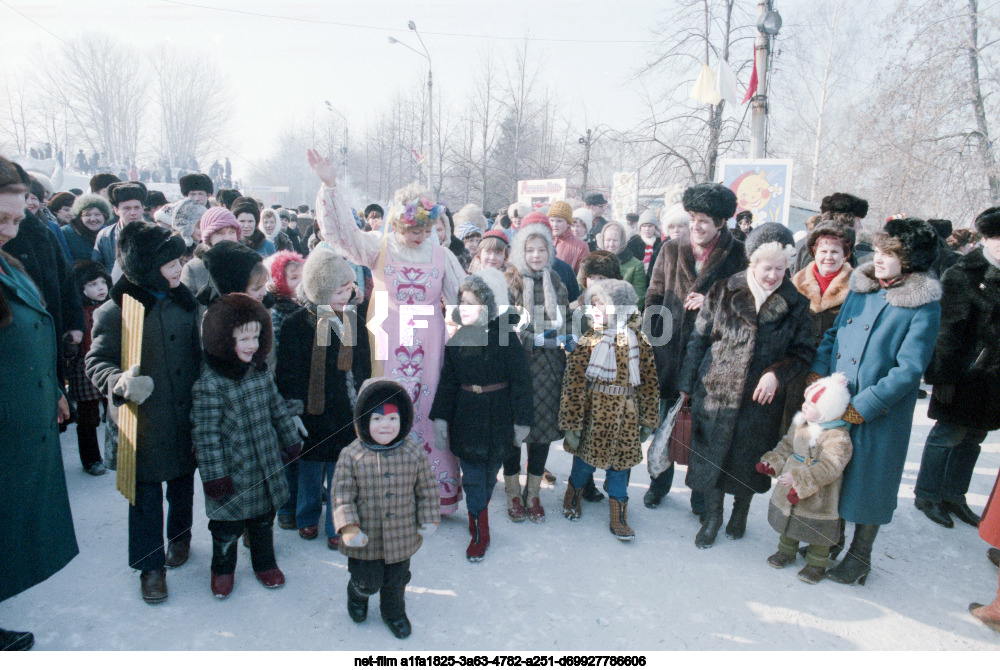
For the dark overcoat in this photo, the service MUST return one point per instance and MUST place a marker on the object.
(730, 349)
(882, 341)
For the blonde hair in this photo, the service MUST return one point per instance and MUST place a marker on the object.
(772, 251)
(403, 197)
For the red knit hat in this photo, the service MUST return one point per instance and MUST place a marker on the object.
(278, 263)
(535, 217)
(499, 234)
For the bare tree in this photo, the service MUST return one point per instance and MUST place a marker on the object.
(18, 115)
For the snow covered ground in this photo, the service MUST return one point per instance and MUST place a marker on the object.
(557, 586)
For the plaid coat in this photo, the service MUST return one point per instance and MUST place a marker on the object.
(388, 494)
(237, 427)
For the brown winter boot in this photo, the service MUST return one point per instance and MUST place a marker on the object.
(619, 520)
(535, 512)
(571, 503)
(515, 505)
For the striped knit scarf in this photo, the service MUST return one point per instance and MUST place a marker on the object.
(603, 365)
(552, 311)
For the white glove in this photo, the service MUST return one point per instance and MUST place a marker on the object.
(134, 387)
(441, 433)
(521, 434)
(425, 530)
(353, 536)
(299, 426)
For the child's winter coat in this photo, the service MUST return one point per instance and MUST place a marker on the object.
(81, 389)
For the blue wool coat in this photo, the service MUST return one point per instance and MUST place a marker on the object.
(882, 341)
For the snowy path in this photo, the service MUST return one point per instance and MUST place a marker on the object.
(556, 586)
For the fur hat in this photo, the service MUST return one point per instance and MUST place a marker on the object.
(372, 396)
(831, 229)
(919, 239)
(673, 214)
(196, 181)
(322, 274)
(226, 314)
(85, 202)
(617, 292)
(830, 396)
(988, 222)
(36, 189)
(518, 209)
(215, 219)
(562, 209)
(87, 271)
(155, 199)
(711, 199)
(45, 182)
(226, 196)
(767, 233)
(586, 216)
(182, 216)
(143, 249)
(942, 226)
(490, 288)
(123, 191)
(521, 239)
(472, 214)
(102, 181)
(602, 263)
(244, 205)
(595, 199)
(230, 265)
(373, 207)
(60, 200)
(279, 262)
(846, 203)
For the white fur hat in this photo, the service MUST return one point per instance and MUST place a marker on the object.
(472, 214)
(830, 396)
(518, 209)
(322, 274)
(584, 215)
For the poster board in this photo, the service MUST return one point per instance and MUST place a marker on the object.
(534, 192)
(133, 314)
(762, 186)
(624, 195)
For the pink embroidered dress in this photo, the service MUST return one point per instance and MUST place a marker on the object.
(411, 352)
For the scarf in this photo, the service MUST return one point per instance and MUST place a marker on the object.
(552, 311)
(326, 319)
(760, 294)
(90, 236)
(603, 365)
(823, 280)
(700, 258)
(895, 281)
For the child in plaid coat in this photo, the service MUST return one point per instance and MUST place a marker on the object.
(242, 434)
(385, 501)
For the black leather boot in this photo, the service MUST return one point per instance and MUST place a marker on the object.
(858, 562)
(711, 520)
(934, 511)
(737, 526)
(357, 604)
(13, 641)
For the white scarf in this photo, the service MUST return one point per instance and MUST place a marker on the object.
(760, 294)
(603, 365)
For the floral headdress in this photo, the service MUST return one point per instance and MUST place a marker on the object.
(421, 211)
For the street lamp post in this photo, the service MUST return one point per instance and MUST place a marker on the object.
(430, 99)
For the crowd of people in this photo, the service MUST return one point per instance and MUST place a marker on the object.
(389, 363)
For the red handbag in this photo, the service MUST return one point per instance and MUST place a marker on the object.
(680, 437)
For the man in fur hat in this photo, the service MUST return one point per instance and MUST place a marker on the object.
(197, 186)
(127, 198)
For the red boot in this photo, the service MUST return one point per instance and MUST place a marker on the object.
(479, 528)
(271, 579)
(222, 585)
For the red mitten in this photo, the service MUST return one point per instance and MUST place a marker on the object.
(793, 497)
(217, 489)
(289, 454)
(765, 469)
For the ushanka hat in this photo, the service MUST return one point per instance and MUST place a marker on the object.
(86, 271)
(988, 222)
(712, 199)
(323, 273)
(919, 240)
(183, 216)
(143, 249)
(155, 199)
(373, 397)
(196, 181)
(123, 191)
(844, 203)
(230, 265)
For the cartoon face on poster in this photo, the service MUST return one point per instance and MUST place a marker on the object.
(762, 187)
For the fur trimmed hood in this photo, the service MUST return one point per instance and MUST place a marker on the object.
(917, 290)
(374, 393)
(224, 315)
(490, 288)
(836, 293)
(521, 239)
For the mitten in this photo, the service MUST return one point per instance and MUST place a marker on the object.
(568, 342)
(289, 454)
(571, 439)
(299, 426)
(425, 530)
(852, 416)
(521, 434)
(765, 469)
(793, 497)
(134, 387)
(441, 433)
(217, 489)
(353, 536)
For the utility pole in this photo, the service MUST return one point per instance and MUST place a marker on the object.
(768, 24)
(586, 161)
(430, 123)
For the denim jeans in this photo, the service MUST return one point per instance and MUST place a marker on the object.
(478, 480)
(291, 471)
(309, 505)
(950, 456)
(145, 520)
(615, 481)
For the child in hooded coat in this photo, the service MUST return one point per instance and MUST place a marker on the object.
(610, 400)
(286, 273)
(242, 434)
(385, 501)
(483, 408)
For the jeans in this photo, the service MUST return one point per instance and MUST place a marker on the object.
(291, 471)
(145, 520)
(950, 456)
(538, 453)
(259, 536)
(478, 480)
(615, 481)
(370, 577)
(309, 505)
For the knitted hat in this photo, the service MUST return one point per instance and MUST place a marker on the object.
(279, 262)
(647, 216)
(499, 234)
(595, 199)
(196, 181)
(919, 239)
(831, 229)
(467, 228)
(586, 216)
(767, 233)
(226, 196)
(942, 226)
(102, 181)
(322, 274)
(490, 289)
(244, 205)
(846, 203)
(988, 222)
(712, 199)
(183, 216)
(228, 313)
(830, 396)
(155, 199)
(535, 218)
(215, 219)
(87, 271)
(674, 214)
(230, 265)
(60, 200)
(372, 396)
(562, 209)
(521, 239)
(473, 214)
(143, 249)
(123, 191)
(85, 202)
(602, 263)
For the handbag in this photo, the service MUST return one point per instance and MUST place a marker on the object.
(658, 458)
(680, 436)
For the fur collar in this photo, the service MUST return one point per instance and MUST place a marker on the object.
(836, 293)
(917, 290)
(234, 368)
(777, 305)
(181, 295)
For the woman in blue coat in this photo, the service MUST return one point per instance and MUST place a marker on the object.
(882, 341)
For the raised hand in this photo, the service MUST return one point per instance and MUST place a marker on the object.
(323, 167)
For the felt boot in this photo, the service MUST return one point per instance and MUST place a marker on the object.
(737, 526)
(515, 504)
(619, 520)
(535, 512)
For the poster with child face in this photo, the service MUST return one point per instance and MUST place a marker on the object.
(762, 187)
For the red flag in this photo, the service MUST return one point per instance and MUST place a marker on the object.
(752, 87)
